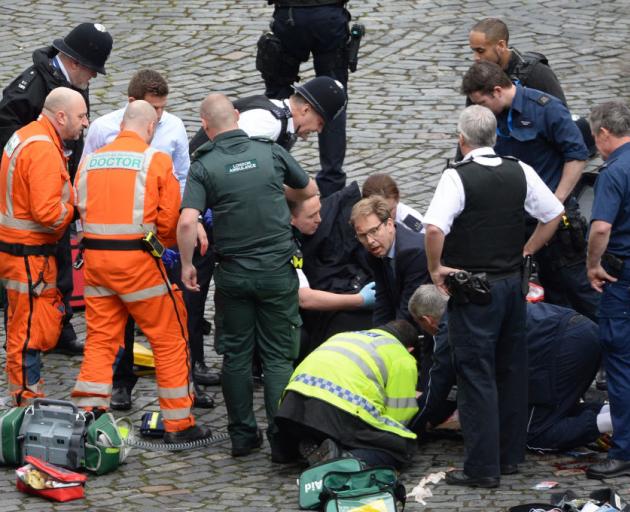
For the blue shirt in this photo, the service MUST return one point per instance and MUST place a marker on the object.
(538, 130)
(612, 199)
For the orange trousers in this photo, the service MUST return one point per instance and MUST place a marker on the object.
(119, 283)
(34, 314)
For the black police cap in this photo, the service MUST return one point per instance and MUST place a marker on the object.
(89, 44)
(326, 95)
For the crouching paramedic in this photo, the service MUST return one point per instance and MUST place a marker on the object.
(36, 206)
(355, 393)
(126, 195)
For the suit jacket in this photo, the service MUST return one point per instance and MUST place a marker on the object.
(334, 260)
(410, 271)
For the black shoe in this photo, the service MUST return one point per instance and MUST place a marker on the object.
(206, 327)
(68, 343)
(509, 469)
(610, 468)
(328, 450)
(121, 399)
(202, 399)
(193, 433)
(241, 451)
(203, 375)
(458, 477)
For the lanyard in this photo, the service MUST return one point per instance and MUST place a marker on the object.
(509, 124)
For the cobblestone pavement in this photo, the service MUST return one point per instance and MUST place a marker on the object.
(403, 104)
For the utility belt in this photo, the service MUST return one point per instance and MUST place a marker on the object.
(612, 264)
(149, 243)
(28, 250)
(468, 288)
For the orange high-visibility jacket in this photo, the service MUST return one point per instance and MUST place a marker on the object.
(126, 189)
(36, 199)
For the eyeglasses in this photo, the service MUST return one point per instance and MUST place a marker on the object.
(370, 233)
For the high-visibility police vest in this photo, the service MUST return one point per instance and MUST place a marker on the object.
(369, 374)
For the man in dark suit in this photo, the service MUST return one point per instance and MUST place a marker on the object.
(397, 258)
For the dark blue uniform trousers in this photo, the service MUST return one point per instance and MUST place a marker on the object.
(322, 30)
(557, 419)
(614, 331)
(490, 357)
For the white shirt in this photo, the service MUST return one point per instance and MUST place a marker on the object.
(262, 123)
(303, 280)
(59, 65)
(170, 137)
(403, 211)
(449, 198)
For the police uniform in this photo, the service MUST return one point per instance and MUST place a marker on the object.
(611, 203)
(259, 117)
(538, 130)
(488, 341)
(531, 70)
(319, 27)
(357, 388)
(256, 300)
(563, 355)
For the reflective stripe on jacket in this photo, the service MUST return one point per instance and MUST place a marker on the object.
(36, 199)
(126, 189)
(367, 373)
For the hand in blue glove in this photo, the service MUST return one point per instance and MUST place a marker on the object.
(170, 258)
(369, 294)
(207, 218)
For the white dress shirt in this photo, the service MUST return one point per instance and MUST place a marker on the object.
(449, 198)
(170, 137)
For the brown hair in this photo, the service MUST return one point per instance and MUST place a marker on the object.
(370, 205)
(382, 185)
(147, 81)
(483, 77)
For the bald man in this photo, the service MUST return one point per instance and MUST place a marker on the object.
(36, 206)
(129, 199)
(256, 299)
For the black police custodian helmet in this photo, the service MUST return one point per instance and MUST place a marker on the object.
(326, 95)
(87, 43)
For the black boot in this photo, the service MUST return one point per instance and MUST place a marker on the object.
(202, 399)
(121, 399)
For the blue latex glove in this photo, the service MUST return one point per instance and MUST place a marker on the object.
(170, 258)
(207, 218)
(369, 294)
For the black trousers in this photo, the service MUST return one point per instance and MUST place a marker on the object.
(562, 272)
(322, 31)
(490, 357)
(124, 375)
(65, 283)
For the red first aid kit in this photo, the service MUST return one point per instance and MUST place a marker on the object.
(49, 481)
